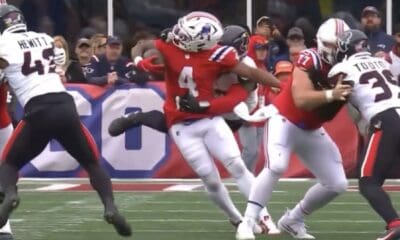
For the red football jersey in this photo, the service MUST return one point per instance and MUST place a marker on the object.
(194, 72)
(310, 62)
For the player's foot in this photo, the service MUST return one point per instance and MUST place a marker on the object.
(293, 226)
(268, 226)
(10, 202)
(391, 234)
(119, 222)
(121, 124)
(6, 236)
(245, 229)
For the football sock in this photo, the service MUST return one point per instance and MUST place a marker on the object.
(377, 198)
(6, 228)
(261, 191)
(8, 178)
(101, 182)
(220, 196)
(316, 197)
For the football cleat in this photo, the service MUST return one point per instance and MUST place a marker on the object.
(119, 222)
(391, 234)
(6, 236)
(123, 123)
(268, 226)
(296, 228)
(245, 229)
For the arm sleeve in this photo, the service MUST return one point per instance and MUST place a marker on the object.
(225, 104)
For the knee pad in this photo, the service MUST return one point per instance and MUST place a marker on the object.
(236, 167)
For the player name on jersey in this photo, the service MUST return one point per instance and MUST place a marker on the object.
(33, 42)
(370, 65)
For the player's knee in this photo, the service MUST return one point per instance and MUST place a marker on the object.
(368, 185)
(236, 168)
(278, 168)
(339, 186)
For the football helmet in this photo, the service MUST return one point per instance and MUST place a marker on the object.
(11, 19)
(327, 38)
(237, 37)
(197, 31)
(351, 42)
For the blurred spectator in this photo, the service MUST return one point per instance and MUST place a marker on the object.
(378, 40)
(84, 53)
(68, 69)
(98, 43)
(394, 54)
(348, 18)
(295, 42)
(258, 50)
(113, 68)
(283, 70)
(309, 30)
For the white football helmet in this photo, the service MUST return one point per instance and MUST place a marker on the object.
(197, 31)
(327, 36)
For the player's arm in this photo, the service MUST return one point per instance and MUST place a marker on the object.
(146, 64)
(306, 97)
(257, 75)
(141, 47)
(3, 63)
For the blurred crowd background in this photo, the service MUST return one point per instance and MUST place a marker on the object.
(74, 19)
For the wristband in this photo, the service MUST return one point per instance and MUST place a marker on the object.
(137, 60)
(329, 95)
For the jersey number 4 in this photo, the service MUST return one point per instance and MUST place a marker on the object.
(47, 54)
(382, 80)
(186, 80)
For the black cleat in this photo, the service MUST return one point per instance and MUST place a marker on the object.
(119, 222)
(391, 234)
(121, 124)
(9, 204)
(6, 236)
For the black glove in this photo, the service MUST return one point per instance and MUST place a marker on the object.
(188, 103)
(138, 76)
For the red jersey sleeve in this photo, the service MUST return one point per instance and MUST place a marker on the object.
(226, 56)
(161, 45)
(309, 60)
(226, 103)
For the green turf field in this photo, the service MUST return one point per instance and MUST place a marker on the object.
(60, 215)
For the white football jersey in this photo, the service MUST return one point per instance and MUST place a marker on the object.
(375, 89)
(31, 69)
(225, 81)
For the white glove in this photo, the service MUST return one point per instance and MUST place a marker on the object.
(59, 56)
(2, 76)
(262, 114)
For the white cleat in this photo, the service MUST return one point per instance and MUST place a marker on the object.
(245, 229)
(294, 227)
(268, 225)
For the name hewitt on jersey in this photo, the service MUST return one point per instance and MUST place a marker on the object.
(33, 42)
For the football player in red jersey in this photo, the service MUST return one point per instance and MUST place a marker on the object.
(193, 61)
(297, 127)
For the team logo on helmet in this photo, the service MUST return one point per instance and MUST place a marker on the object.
(344, 41)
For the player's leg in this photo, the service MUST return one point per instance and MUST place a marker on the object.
(250, 146)
(278, 138)
(380, 156)
(153, 119)
(222, 145)
(24, 144)
(189, 140)
(78, 142)
(5, 134)
(321, 156)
